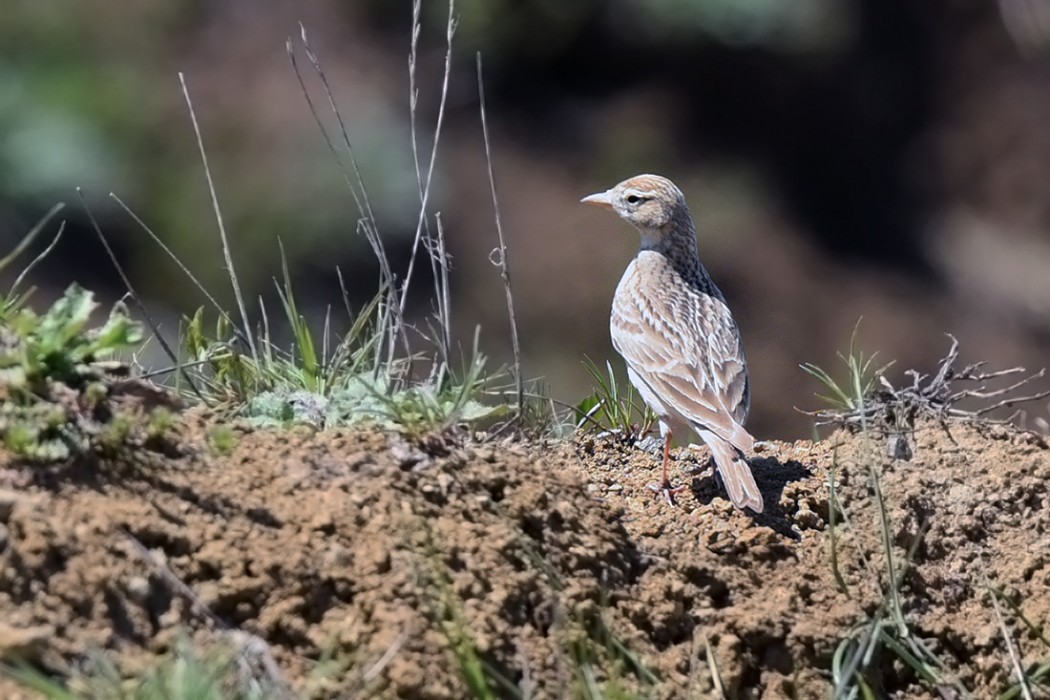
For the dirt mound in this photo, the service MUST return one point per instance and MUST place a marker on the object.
(969, 512)
(540, 559)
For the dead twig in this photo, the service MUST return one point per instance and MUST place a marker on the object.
(895, 410)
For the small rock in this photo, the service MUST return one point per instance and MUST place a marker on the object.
(807, 519)
(719, 541)
(138, 589)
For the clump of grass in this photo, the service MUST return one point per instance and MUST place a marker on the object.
(222, 440)
(188, 672)
(446, 611)
(159, 424)
(614, 407)
(846, 398)
(872, 646)
(869, 405)
(374, 372)
(603, 665)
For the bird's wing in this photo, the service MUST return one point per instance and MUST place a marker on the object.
(686, 347)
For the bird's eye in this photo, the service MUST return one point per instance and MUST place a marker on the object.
(633, 199)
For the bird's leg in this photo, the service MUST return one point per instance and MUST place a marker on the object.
(667, 459)
(665, 487)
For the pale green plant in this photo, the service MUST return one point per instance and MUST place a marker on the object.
(615, 406)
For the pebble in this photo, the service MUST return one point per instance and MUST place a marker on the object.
(138, 589)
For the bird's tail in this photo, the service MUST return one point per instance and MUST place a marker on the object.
(735, 472)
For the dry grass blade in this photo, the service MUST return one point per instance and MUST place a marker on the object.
(526, 683)
(38, 259)
(226, 252)
(383, 661)
(501, 252)
(28, 239)
(154, 327)
(1011, 649)
(712, 664)
(424, 186)
(181, 265)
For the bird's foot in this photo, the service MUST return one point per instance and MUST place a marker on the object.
(666, 490)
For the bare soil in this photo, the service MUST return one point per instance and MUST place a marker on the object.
(358, 546)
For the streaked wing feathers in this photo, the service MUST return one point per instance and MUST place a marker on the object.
(686, 348)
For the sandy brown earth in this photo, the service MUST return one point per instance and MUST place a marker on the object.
(358, 546)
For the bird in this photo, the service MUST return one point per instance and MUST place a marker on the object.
(673, 328)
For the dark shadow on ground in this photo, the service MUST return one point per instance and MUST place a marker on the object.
(772, 476)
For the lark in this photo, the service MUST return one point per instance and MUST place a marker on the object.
(672, 326)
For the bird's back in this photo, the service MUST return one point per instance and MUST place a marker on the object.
(672, 325)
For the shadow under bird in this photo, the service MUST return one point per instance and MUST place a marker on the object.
(672, 326)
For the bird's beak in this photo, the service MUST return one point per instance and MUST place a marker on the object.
(602, 199)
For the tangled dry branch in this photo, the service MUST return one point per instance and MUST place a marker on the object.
(894, 411)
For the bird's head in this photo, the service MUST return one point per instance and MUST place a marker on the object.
(648, 202)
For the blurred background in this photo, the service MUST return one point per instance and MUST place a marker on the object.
(884, 159)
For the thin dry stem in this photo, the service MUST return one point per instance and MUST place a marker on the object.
(373, 672)
(362, 200)
(241, 335)
(38, 259)
(501, 251)
(154, 327)
(1015, 657)
(439, 258)
(171, 254)
(28, 239)
(227, 255)
(450, 32)
(391, 323)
